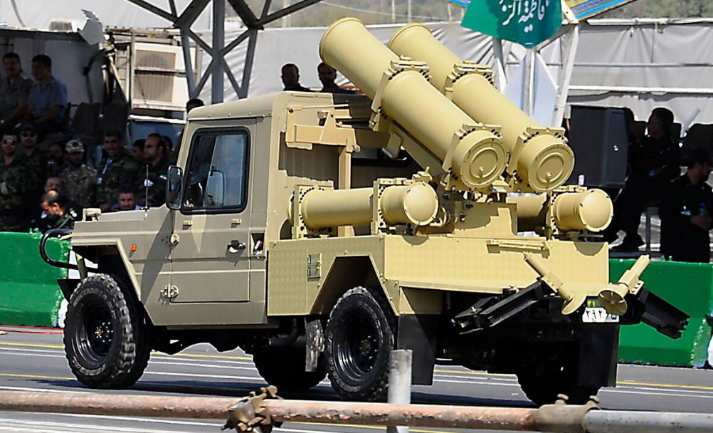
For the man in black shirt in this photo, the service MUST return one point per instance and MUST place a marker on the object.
(654, 161)
(291, 78)
(327, 76)
(686, 208)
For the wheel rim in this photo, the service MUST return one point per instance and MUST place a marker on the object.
(358, 348)
(96, 335)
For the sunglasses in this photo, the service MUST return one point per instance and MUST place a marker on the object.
(10, 142)
(29, 134)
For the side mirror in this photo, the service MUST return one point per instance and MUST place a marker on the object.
(174, 187)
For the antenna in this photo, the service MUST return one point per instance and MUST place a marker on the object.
(146, 185)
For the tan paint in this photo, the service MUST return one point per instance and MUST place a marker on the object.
(539, 155)
(471, 152)
(311, 141)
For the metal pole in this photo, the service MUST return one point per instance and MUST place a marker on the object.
(190, 73)
(566, 78)
(393, 11)
(400, 362)
(218, 43)
(529, 92)
(557, 418)
(378, 414)
(500, 76)
(408, 13)
(601, 421)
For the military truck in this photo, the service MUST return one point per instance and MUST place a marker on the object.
(319, 232)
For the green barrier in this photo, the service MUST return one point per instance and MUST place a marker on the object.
(687, 286)
(29, 294)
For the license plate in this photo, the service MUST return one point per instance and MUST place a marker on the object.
(595, 313)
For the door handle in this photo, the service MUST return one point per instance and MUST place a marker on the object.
(235, 247)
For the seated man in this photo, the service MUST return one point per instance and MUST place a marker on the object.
(126, 201)
(48, 98)
(14, 90)
(58, 212)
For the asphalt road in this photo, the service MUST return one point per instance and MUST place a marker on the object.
(33, 360)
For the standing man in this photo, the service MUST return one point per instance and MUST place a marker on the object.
(116, 169)
(14, 91)
(48, 97)
(151, 188)
(291, 79)
(686, 209)
(327, 75)
(12, 184)
(80, 180)
(654, 162)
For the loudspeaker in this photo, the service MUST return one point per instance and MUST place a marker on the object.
(599, 137)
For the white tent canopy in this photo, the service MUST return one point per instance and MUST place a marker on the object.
(640, 64)
(38, 14)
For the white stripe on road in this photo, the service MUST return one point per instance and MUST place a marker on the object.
(26, 425)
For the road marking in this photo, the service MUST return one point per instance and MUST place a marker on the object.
(497, 376)
(44, 346)
(182, 355)
(208, 424)
(664, 385)
(35, 376)
(90, 427)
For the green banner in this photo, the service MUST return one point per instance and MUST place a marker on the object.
(526, 22)
(29, 294)
(687, 286)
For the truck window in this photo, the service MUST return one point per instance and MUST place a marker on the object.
(217, 172)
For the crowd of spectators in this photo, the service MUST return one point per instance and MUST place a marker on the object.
(45, 181)
(49, 190)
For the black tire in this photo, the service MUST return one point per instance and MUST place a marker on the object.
(359, 340)
(543, 383)
(105, 335)
(285, 368)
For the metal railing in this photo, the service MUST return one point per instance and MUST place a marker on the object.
(260, 413)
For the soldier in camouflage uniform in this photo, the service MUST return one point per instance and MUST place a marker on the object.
(153, 176)
(80, 180)
(12, 184)
(34, 160)
(116, 170)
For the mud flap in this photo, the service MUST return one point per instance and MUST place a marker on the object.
(648, 308)
(598, 355)
(67, 286)
(418, 333)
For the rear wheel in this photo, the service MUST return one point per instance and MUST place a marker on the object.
(359, 340)
(105, 336)
(285, 368)
(544, 382)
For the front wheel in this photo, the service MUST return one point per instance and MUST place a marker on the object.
(544, 382)
(359, 341)
(105, 336)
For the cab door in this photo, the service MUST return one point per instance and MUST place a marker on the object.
(210, 257)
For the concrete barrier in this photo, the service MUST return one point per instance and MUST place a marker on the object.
(689, 287)
(29, 294)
